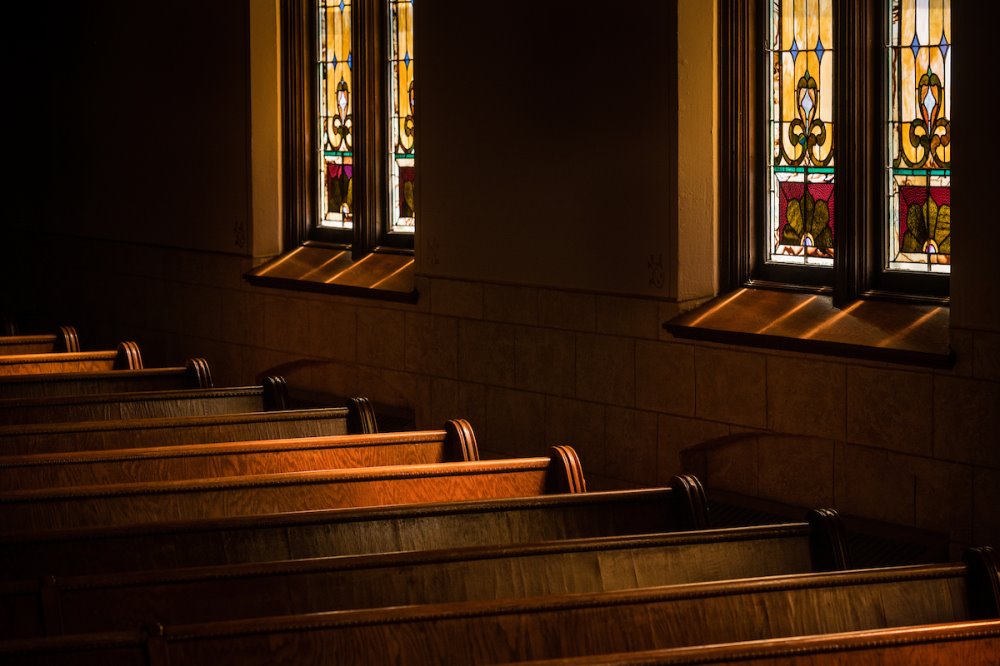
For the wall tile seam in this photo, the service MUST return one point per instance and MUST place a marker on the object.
(928, 459)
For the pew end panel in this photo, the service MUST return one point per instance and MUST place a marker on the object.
(127, 357)
(198, 372)
(828, 541)
(460, 440)
(275, 393)
(361, 416)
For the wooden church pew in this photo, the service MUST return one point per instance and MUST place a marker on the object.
(204, 594)
(66, 340)
(125, 357)
(974, 643)
(456, 443)
(125, 504)
(194, 374)
(272, 394)
(42, 438)
(490, 632)
(681, 506)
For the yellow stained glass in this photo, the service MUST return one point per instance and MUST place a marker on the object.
(918, 178)
(401, 124)
(801, 160)
(336, 109)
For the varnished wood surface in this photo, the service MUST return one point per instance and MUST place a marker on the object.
(577, 625)
(193, 375)
(65, 341)
(139, 433)
(123, 504)
(133, 405)
(36, 364)
(341, 532)
(202, 594)
(947, 644)
(901, 332)
(200, 461)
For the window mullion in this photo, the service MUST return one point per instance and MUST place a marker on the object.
(368, 126)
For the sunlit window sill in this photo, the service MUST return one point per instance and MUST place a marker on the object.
(910, 333)
(323, 268)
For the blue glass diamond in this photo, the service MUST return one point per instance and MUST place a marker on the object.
(944, 46)
(341, 5)
(915, 45)
(406, 58)
(819, 49)
(350, 60)
(334, 61)
(794, 50)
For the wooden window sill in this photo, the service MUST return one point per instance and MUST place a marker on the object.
(323, 268)
(911, 333)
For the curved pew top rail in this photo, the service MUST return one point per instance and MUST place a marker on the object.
(204, 594)
(194, 374)
(37, 438)
(455, 443)
(489, 632)
(331, 532)
(125, 357)
(66, 340)
(272, 394)
(974, 643)
(130, 503)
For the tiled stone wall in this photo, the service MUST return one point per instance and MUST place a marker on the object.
(532, 367)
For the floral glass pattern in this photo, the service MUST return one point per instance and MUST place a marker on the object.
(918, 235)
(801, 159)
(401, 156)
(336, 158)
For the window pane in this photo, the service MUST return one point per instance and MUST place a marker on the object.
(335, 111)
(918, 235)
(401, 167)
(800, 162)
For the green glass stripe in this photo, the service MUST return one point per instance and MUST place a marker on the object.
(798, 169)
(922, 172)
(337, 153)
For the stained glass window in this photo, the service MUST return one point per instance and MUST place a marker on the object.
(918, 235)
(336, 62)
(401, 123)
(800, 159)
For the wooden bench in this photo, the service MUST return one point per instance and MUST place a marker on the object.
(124, 504)
(169, 431)
(125, 357)
(194, 374)
(974, 643)
(489, 632)
(456, 443)
(204, 594)
(272, 394)
(681, 506)
(66, 340)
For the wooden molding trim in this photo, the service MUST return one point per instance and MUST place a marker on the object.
(461, 440)
(361, 417)
(827, 541)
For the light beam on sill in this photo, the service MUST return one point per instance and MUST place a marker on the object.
(326, 263)
(718, 306)
(826, 323)
(348, 269)
(903, 333)
(788, 314)
(393, 274)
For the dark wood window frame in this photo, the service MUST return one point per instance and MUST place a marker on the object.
(855, 309)
(860, 182)
(370, 46)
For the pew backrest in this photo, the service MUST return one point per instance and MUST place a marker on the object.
(271, 395)
(350, 532)
(66, 340)
(167, 431)
(124, 504)
(455, 443)
(205, 594)
(125, 357)
(194, 374)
